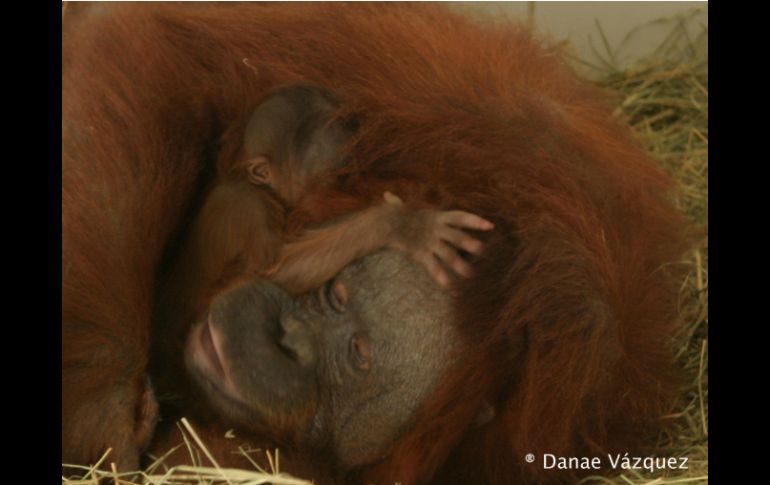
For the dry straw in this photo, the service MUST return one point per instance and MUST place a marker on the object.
(664, 98)
(158, 474)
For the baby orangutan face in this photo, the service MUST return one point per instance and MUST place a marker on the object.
(290, 138)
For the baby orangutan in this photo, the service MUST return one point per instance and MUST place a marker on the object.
(290, 141)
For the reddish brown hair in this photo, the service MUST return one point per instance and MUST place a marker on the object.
(568, 322)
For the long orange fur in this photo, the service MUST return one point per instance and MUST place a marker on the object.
(570, 316)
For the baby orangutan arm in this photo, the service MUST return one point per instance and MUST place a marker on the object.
(430, 237)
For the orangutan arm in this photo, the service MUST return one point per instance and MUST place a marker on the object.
(430, 237)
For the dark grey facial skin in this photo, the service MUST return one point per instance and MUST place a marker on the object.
(342, 369)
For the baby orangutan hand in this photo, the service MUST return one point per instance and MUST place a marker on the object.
(434, 237)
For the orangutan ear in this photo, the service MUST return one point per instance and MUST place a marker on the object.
(484, 415)
(259, 170)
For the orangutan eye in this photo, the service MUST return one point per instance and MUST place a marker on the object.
(360, 351)
(337, 295)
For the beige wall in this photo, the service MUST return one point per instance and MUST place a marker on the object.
(576, 22)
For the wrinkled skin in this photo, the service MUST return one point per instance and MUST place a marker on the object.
(342, 368)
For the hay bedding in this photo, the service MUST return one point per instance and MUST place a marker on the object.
(665, 99)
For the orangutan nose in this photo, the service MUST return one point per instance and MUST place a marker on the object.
(298, 341)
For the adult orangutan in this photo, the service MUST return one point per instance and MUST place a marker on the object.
(563, 332)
